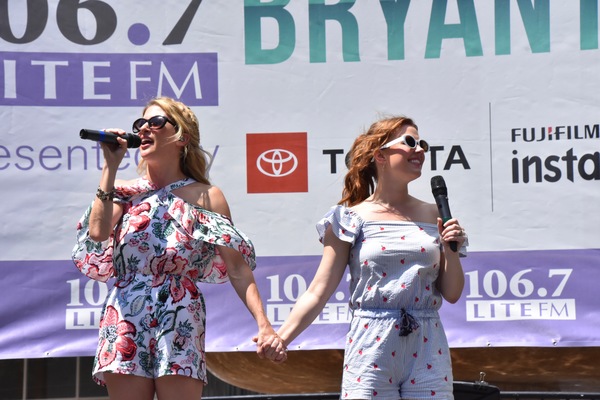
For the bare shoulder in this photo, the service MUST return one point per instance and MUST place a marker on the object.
(429, 212)
(361, 207)
(125, 182)
(413, 209)
(209, 197)
(217, 201)
(366, 211)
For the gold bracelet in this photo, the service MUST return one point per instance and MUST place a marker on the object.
(102, 195)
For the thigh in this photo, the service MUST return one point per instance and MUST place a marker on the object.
(176, 387)
(128, 387)
(370, 359)
(430, 375)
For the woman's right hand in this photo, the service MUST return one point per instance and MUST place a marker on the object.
(271, 347)
(113, 154)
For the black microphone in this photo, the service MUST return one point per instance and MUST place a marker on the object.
(440, 193)
(107, 137)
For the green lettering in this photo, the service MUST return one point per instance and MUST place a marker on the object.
(254, 12)
(502, 26)
(318, 14)
(588, 15)
(536, 19)
(467, 29)
(395, 12)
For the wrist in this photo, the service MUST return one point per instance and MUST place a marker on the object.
(264, 325)
(103, 195)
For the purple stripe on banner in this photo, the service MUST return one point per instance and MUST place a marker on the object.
(524, 298)
(527, 298)
(36, 297)
(107, 80)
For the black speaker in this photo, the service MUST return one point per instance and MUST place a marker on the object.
(475, 391)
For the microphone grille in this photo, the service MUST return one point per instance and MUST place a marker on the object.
(438, 185)
(133, 141)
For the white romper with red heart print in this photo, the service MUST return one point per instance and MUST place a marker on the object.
(396, 346)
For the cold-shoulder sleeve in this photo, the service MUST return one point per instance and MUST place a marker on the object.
(93, 259)
(212, 230)
(345, 223)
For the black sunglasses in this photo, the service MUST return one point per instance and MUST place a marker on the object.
(156, 122)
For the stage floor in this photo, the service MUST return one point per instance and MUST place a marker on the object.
(547, 369)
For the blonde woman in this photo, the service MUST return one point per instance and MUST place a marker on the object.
(158, 236)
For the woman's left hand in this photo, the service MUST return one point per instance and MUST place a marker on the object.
(451, 231)
(270, 346)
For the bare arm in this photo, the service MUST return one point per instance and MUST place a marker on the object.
(242, 280)
(326, 280)
(105, 214)
(451, 279)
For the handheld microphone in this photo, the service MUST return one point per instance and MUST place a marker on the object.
(440, 193)
(107, 137)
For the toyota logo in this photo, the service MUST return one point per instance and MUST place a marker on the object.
(277, 162)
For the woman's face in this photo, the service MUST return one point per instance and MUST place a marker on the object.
(402, 158)
(157, 139)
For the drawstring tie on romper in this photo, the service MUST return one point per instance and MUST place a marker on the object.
(408, 323)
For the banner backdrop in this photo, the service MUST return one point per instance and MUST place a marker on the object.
(506, 92)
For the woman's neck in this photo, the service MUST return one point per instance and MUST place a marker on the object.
(392, 196)
(162, 178)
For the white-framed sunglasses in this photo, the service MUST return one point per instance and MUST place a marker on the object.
(409, 141)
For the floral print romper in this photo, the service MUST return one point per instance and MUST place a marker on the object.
(153, 319)
(396, 346)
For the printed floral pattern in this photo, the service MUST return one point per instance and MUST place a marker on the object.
(153, 320)
(115, 338)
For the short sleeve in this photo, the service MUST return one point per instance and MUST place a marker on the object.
(345, 224)
(93, 259)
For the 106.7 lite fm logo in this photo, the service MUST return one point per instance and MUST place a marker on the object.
(99, 79)
(84, 308)
(526, 294)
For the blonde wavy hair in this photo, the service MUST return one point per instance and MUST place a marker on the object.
(361, 178)
(193, 160)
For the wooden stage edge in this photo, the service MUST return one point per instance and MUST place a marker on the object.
(543, 369)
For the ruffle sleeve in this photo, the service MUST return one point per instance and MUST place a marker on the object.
(93, 259)
(345, 223)
(212, 229)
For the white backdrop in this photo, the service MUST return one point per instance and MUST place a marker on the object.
(493, 88)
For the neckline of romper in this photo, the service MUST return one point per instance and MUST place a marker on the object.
(386, 221)
(163, 192)
(170, 187)
(398, 222)
(179, 207)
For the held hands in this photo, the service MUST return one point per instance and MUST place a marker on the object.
(451, 231)
(270, 346)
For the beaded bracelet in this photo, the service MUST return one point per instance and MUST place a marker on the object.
(102, 195)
